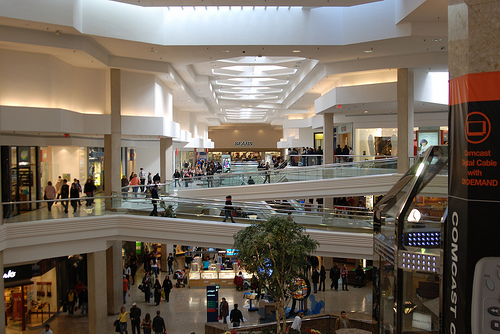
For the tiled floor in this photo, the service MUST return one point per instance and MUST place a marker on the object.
(186, 311)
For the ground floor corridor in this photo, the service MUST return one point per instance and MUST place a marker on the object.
(186, 312)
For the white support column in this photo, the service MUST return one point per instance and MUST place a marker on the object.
(166, 155)
(405, 96)
(112, 142)
(98, 310)
(328, 151)
(328, 148)
(114, 277)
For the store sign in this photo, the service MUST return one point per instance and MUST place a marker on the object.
(9, 274)
(243, 143)
(471, 252)
(18, 272)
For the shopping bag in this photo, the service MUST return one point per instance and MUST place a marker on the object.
(163, 294)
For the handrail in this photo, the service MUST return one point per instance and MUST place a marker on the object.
(287, 174)
(339, 218)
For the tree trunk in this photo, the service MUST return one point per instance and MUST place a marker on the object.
(280, 317)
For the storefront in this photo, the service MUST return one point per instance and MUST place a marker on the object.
(383, 141)
(96, 166)
(30, 298)
(20, 178)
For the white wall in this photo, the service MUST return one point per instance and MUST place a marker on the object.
(148, 157)
(137, 94)
(38, 80)
(432, 87)
(64, 160)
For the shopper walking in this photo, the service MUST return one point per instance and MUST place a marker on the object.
(267, 173)
(224, 310)
(157, 292)
(89, 188)
(147, 324)
(236, 317)
(167, 287)
(142, 177)
(71, 298)
(134, 183)
(122, 320)
(334, 276)
(74, 194)
(154, 199)
(177, 176)
(228, 209)
(135, 318)
(344, 273)
(59, 184)
(65, 195)
(170, 262)
(322, 278)
(49, 193)
(146, 287)
(315, 279)
(159, 324)
(133, 266)
(125, 289)
(83, 298)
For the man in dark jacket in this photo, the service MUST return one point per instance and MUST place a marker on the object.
(315, 279)
(334, 276)
(65, 195)
(135, 318)
(154, 197)
(228, 209)
(159, 324)
(236, 317)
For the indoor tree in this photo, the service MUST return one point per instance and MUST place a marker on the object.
(275, 251)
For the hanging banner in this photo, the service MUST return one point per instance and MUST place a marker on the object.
(471, 285)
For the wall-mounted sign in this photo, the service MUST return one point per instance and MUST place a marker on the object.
(18, 272)
(9, 274)
(243, 143)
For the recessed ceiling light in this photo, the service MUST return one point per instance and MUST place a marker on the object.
(153, 50)
(368, 51)
(225, 51)
(366, 111)
(437, 39)
(295, 51)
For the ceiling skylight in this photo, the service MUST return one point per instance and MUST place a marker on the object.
(252, 81)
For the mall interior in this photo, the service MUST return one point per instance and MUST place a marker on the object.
(98, 90)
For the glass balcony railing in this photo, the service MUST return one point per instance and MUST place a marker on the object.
(346, 219)
(248, 176)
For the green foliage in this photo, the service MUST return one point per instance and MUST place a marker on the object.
(268, 330)
(278, 246)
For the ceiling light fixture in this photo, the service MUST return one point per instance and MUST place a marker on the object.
(437, 39)
(295, 51)
(368, 51)
(153, 50)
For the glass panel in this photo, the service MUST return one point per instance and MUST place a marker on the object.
(420, 302)
(387, 296)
